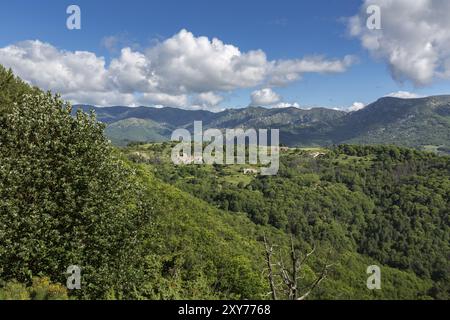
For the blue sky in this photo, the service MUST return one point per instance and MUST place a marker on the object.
(283, 30)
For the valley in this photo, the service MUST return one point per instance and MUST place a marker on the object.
(141, 227)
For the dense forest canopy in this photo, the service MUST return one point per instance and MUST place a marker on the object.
(387, 203)
(141, 228)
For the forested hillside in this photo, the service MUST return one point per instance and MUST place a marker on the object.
(141, 228)
(407, 122)
(387, 203)
(69, 198)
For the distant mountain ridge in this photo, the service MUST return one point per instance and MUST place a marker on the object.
(409, 122)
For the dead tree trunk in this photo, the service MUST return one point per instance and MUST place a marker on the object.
(290, 278)
(269, 252)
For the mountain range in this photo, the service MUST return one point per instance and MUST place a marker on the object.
(420, 122)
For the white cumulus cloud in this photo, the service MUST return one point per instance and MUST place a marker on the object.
(264, 97)
(356, 106)
(183, 71)
(161, 98)
(414, 38)
(404, 95)
(282, 105)
(285, 71)
(208, 99)
(49, 68)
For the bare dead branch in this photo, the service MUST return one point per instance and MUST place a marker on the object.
(269, 252)
(289, 276)
(321, 277)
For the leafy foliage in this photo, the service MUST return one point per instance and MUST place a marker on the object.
(141, 228)
(388, 203)
(41, 289)
(66, 199)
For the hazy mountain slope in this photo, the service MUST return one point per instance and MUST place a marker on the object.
(412, 122)
(136, 130)
(257, 117)
(286, 119)
(167, 116)
(408, 122)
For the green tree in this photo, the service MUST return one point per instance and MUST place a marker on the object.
(67, 199)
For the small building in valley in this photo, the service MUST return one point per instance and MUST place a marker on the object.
(250, 171)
